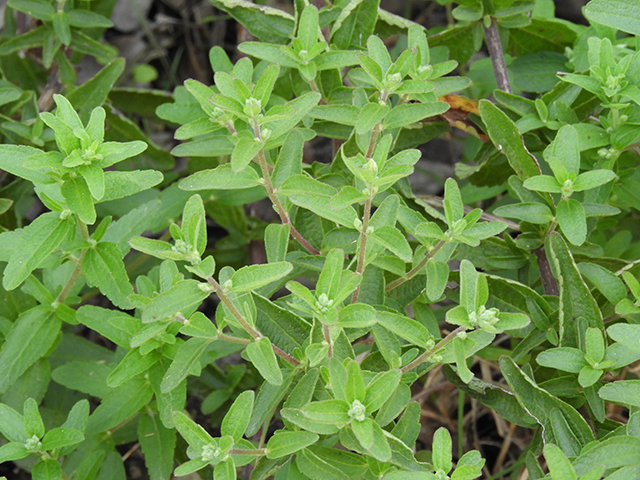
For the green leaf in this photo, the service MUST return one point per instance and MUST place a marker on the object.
(245, 151)
(285, 443)
(409, 113)
(357, 315)
(559, 464)
(404, 327)
(622, 15)
(79, 200)
(506, 138)
(221, 178)
(39, 9)
(62, 27)
(200, 326)
(12, 426)
(187, 356)
(82, 18)
(363, 431)
(225, 470)
(47, 470)
(261, 354)
(532, 212)
(441, 450)
(31, 337)
(498, 399)
(281, 325)
(103, 268)
(252, 277)
(622, 392)
(381, 388)
(33, 425)
(236, 421)
(86, 377)
(181, 296)
(276, 242)
(269, 52)
(316, 468)
(119, 405)
(267, 23)
(268, 398)
(61, 437)
(575, 297)
(39, 239)
(313, 195)
(190, 467)
(567, 359)
(609, 285)
(393, 240)
(355, 23)
(131, 365)
(452, 203)
(610, 453)
(329, 280)
(541, 405)
(336, 59)
(123, 184)
(328, 411)
(564, 149)
(370, 115)
(342, 114)
(625, 334)
(94, 92)
(593, 179)
(158, 445)
(572, 220)
(543, 183)
(194, 434)
(437, 278)
(301, 105)
(13, 451)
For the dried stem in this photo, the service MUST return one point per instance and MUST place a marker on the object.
(492, 38)
(549, 283)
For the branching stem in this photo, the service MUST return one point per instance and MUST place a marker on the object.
(415, 270)
(268, 184)
(429, 353)
(77, 271)
(242, 321)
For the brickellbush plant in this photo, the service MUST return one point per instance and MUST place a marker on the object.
(118, 309)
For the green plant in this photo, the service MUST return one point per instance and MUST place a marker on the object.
(365, 288)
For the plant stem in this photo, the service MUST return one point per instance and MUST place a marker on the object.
(248, 328)
(362, 244)
(77, 271)
(429, 353)
(248, 451)
(232, 339)
(327, 337)
(549, 283)
(268, 184)
(362, 248)
(492, 39)
(415, 270)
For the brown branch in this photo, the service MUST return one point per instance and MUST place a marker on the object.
(492, 39)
